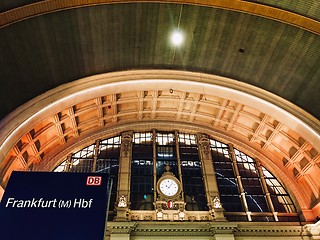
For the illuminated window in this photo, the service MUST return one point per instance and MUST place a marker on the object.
(107, 161)
(166, 153)
(82, 161)
(141, 189)
(281, 200)
(244, 193)
(226, 180)
(194, 192)
(251, 183)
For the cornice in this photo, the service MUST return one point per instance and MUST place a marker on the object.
(173, 229)
(268, 230)
(51, 6)
(121, 227)
(312, 229)
(159, 228)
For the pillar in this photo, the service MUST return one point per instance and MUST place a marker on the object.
(123, 197)
(239, 181)
(210, 180)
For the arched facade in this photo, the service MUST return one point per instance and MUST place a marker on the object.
(102, 108)
(76, 72)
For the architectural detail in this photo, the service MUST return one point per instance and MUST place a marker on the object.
(267, 122)
(122, 202)
(204, 145)
(135, 217)
(312, 230)
(121, 227)
(216, 203)
(220, 230)
(234, 111)
(214, 194)
(126, 143)
(147, 218)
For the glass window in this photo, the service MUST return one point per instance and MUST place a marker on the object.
(193, 185)
(107, 162)
(250, 178)
(166, 153)
(142, 138)
(61, 167)
(82, 161)
(187, 139)
(227, 183)
(141, 191)
(281, 200)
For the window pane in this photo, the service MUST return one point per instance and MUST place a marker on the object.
(141, 194)
(166, 153)
(250, 178)
(227, 183)
(82, 161)
(280, 198)
(193, 186)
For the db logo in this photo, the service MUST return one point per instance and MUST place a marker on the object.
(94, 181)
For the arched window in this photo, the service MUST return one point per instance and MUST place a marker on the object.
(102, 156)
(247, 190)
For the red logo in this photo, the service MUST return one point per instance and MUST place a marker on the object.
(94, 181)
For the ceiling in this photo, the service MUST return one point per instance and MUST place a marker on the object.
(49, 49)
(65, 43)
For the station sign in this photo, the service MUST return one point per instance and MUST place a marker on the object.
(54, 206)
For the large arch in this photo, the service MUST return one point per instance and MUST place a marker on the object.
(259, 123)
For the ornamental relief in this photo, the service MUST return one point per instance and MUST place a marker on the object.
(126, 140)
(204, 146)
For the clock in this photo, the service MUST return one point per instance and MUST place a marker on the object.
(169, 186)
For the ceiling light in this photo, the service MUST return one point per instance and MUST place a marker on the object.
(177, 38)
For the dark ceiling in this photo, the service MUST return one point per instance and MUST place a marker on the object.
(45, 51)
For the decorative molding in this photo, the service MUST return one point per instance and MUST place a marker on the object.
(172, 229)
(122, 203)
(312, 229)
(126, 139)
(51, 6)
(121, 227)
(159, 228)
(204, 144)
(216, 202)
(269, 231)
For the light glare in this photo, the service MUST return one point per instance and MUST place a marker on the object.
(177, 38)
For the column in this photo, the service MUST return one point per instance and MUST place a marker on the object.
(154, 158)
(68, 163)
(266, 191)
(124, 176)
(240, 186)
(176, 134)
(210, 181)
(181, 203)
(95, 155)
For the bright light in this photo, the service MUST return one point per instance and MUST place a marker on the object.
(177, 38)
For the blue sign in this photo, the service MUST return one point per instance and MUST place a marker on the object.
(54, 206)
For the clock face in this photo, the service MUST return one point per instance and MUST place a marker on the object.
(169, 187)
